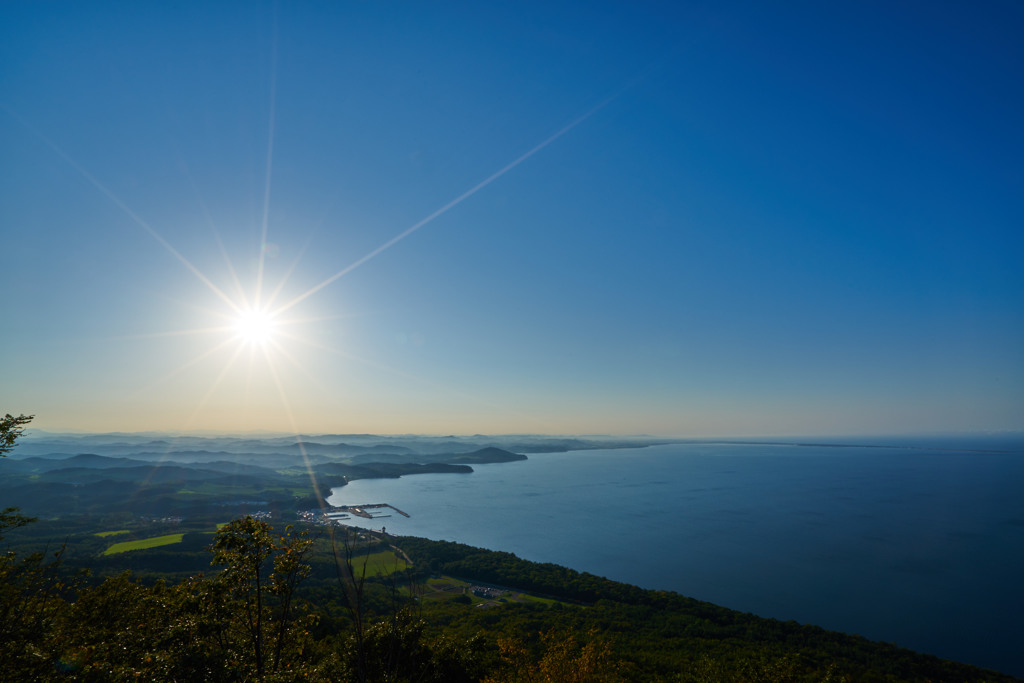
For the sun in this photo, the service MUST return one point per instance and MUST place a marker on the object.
(255, 327)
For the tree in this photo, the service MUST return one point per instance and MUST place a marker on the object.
(31, 591)
(262, 571)
(11, 429)
(564, 660)
(33, 597)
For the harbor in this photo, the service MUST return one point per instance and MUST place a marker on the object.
(339, 514)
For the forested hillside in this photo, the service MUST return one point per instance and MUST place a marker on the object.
(303, 603)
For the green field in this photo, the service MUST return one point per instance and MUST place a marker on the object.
(104, 534)
(143, 543)
(383, 563)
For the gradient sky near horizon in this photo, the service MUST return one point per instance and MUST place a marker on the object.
(692, 218)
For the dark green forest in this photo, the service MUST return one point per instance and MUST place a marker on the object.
(109, 594)
(246, 602)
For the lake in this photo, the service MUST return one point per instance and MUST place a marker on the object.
(920, 547)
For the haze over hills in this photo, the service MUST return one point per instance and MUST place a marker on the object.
(411, 448)
(154, 474)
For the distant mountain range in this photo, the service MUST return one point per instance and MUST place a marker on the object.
(159, 475)
(319, 448)
(51, 475)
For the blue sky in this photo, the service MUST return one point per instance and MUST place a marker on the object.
(747, 219)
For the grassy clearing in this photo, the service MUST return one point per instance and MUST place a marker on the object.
(104, 534)
(142, 544)
(384, 563)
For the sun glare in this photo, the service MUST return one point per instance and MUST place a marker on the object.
(255, 326)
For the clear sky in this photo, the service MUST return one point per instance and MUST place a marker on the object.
(679, 218)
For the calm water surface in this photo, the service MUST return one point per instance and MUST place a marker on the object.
(921, 548)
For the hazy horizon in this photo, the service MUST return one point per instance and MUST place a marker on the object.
(30, 432)
(690, 220)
